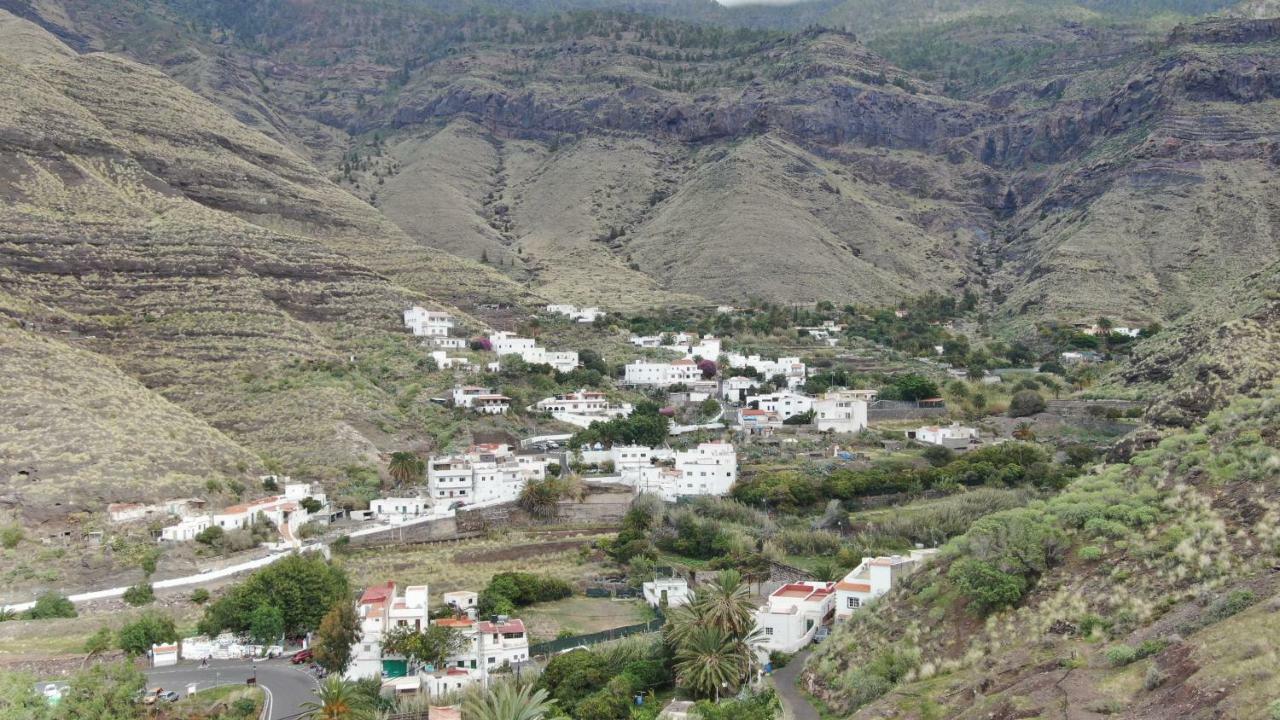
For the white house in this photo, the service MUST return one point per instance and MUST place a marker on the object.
(447, 343)
(661, 374)
(429, 323)
(736, 388)
(757, 421)
(669, 592)
(463, 601)
(792, 614)
(379, 609)
(954, 436)
(505, 343)
(132, 512)
(841, 411)
(187, 529)
(707, 346)
(874, 577)
(573, 312)
(490, 645)
(481, 400)
(444, 362)
(399, 509)
(708, 469)
(581, 408)
(784, 404)
(789, 367)
(485, 473)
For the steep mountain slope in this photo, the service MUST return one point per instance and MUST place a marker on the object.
(695, 161)
(149, 229)
(1146, 590)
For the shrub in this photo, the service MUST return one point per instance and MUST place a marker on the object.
(210, 535)
(1121, 655)
(1234, 602)
(52, 605)
(140, 594)
(1154, 678)
(510, 590)
(1151, 647)
(1026, 402)
(1273, 710)
(10, 536)
(199, 596)
(987, 587)
(1090, 553)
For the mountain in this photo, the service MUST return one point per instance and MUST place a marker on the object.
(181, 296)
(692, 161)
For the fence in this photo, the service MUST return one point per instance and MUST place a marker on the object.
(560, 644)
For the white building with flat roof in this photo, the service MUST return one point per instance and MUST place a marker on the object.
(505, 343)
(954, 436)
(399, 509)
(481, 400)
(792, 613)
(661, 374)
(485, 473)
(789, 368)
(577, 314)
(874, 577)
(784, 403)
(581, 408)
(428, 323)
(840, 411)
(667, 592)
(737, 388)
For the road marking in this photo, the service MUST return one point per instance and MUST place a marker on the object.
(267, 704)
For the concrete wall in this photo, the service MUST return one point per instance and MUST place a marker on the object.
(903, 413)
(442, 529)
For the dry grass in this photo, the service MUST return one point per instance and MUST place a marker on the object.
(435, 565)
(581, 615)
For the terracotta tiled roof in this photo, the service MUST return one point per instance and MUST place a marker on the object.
(853, 586)
(511, 626)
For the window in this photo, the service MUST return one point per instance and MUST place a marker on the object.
(853, 603)
(768, 631)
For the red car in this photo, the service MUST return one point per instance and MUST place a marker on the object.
(300, 657)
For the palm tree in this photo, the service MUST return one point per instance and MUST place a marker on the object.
(710, 659)
(726, 604)
(406, 467)
(338, 700)
(508, 701)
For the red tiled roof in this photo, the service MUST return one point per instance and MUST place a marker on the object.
(378, 593)
(853, 586)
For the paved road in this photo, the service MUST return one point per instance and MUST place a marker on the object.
(287, 686)
(797, 706)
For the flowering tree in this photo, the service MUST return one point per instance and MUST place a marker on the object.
(708, 368)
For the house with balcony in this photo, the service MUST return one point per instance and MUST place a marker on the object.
(428, 323)
(784, 403)
(840, 411)
(481, 400)
(581, 408)
(661, 374)
(484, 473)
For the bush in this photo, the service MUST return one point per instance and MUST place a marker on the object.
(509, 590)
(987, 587)
(1121, 655)
(10, 536)
(52, 605)
(210, 535)
(1273, 710)
(302, 587)
(1090, 553)
(199, 596)
(1026, 402)
(140, 594)
(1234, 602)
(1154, 678)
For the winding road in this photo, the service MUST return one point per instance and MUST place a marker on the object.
(286, 686)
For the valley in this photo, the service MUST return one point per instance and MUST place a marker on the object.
(638, 361)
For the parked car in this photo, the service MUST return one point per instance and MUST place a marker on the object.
(170, 696)
(823, 632)
(301, 656)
